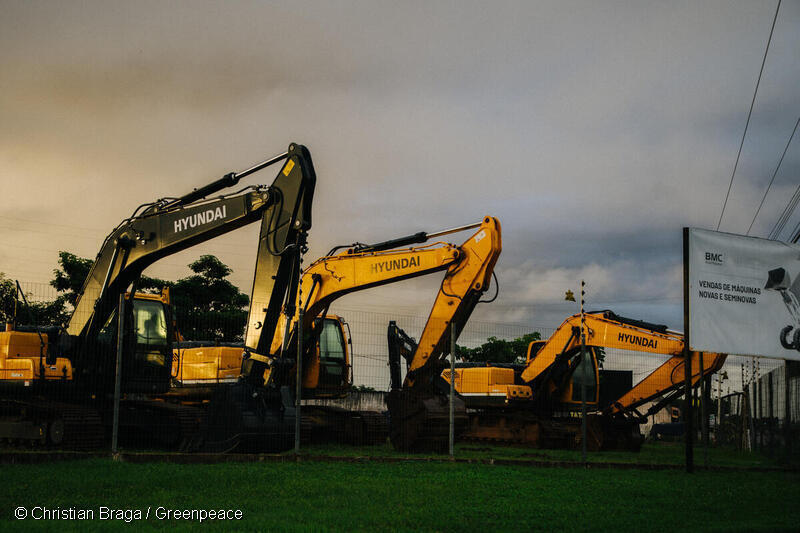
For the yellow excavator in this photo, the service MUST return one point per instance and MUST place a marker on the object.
(57, 385)
(326, 358)
(536, 404)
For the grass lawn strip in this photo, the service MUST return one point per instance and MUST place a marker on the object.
(427, 496)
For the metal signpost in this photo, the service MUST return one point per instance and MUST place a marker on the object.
(687, 361)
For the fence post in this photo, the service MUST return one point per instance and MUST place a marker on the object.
(299, 386)
(703, 411)
(118, 377)
(787, 413)
(717, 429)
(452, 388)
(759, 406)
(770, 415)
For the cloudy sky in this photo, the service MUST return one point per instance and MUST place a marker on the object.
(593, 130)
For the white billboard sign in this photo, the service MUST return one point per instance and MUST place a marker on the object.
(744, 295)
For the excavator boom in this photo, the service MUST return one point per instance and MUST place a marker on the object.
(418, 411)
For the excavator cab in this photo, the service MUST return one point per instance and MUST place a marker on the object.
(148, 338)
(333, 363)
(334, 356)
(584, 373)
(567, 373)
(152, 336)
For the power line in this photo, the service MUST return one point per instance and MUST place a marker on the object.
(60, 225)
(796, 233)
(752, 103)
(773, 176)
(785, 215)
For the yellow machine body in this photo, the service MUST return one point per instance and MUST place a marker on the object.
(22, 359)
(206, 365)
(488, 386)
(328, 373)
(23, 354)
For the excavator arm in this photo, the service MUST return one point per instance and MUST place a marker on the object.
(459, 293)
(418, 411)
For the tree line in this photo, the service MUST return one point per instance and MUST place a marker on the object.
(205, 305)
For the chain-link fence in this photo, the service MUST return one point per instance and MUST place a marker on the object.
(179, 386)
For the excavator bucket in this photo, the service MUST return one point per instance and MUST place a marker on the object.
(242, 418)
(420, 422)
(613, 433)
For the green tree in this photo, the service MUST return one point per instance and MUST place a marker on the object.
(8, 294)
(206, 305)
(71, 274)
(496, 350)
(44, 313)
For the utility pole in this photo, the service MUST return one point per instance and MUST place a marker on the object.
(584, 369)
(584, 377)
(452, 389)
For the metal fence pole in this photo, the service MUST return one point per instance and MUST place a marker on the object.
(118, 378)
(703, 412)
(759, 406)
(770, 415)
(787, 413)
(452, 389)
(299, 387)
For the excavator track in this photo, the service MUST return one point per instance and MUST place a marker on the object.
(159, 424)
(330, 424)
(51, 425)
(421, 422)
(515, 428)
(375, 427)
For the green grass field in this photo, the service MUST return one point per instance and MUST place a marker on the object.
(652, 453)
(426, 496)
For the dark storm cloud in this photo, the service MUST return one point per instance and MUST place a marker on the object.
(593, 131)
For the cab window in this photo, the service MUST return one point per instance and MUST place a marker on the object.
(331, 342)
(150, 323)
